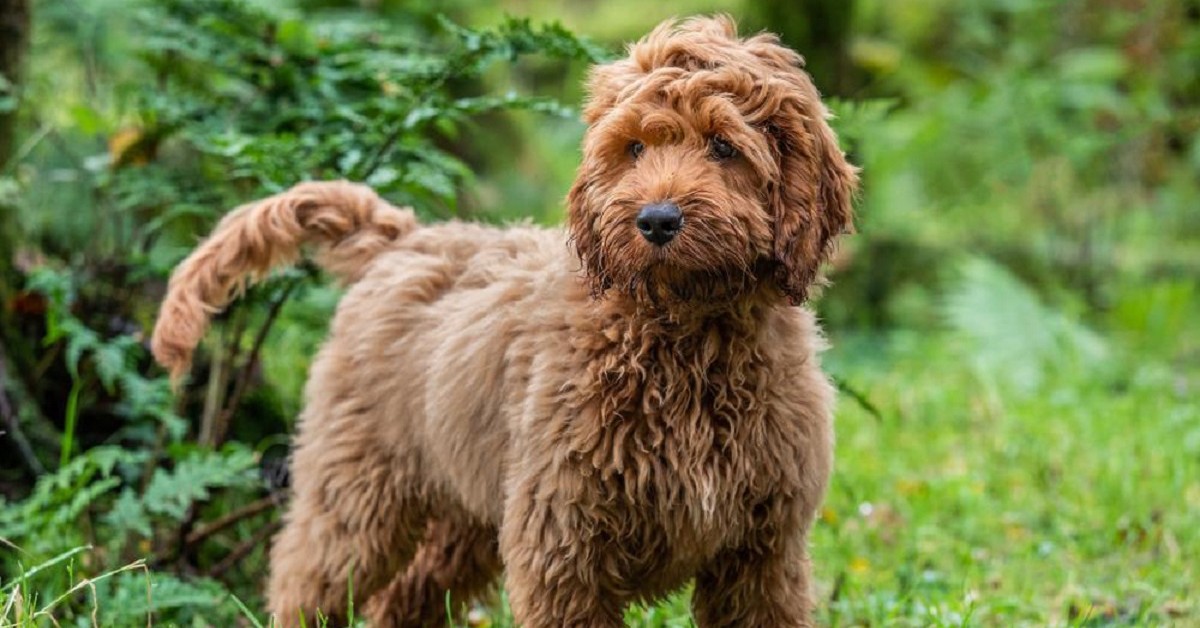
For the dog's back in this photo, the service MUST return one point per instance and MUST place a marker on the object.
(438, 334)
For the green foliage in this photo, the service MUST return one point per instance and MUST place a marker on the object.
(1011, 336)
(171, 493)
(1042, 134)
(48, 516)
(113, 361)
(49, 519)
(8, 99)
(276, 99)
(131, 597)
(230, 100)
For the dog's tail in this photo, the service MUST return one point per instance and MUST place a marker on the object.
(347, 222)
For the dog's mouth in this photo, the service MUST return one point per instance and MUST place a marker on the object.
(660, 257)
(663, 282)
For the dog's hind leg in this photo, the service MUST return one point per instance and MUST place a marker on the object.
(356, 515)
(458, 557)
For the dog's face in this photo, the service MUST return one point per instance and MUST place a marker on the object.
(708, 169)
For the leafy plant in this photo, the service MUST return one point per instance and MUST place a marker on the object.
(243, 101)
(1012, 338)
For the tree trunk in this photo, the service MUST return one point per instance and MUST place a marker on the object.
(817, 29)
(16, 350)
(14, 38)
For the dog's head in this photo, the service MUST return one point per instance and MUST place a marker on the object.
(708, 168)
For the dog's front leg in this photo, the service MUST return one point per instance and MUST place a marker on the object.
(766, 584)
(551, 572)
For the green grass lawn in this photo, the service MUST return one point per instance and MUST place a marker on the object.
(1077, 504)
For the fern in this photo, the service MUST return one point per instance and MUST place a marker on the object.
(274, 99)
(132, 598)
(45, 521)
(113, 360)
(171, 492)
(1012, 337)
(129, 514)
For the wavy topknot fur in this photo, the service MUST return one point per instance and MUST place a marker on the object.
(602, 423)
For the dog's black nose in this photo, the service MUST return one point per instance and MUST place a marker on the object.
(659, 222)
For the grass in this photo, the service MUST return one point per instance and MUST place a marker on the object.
(1077, 504)
(21, 608)
(964, 502)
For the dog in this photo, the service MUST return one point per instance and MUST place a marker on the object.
(602, 414)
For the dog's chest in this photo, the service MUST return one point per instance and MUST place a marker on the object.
(679, 449)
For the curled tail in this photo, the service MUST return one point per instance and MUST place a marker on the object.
(348, 222)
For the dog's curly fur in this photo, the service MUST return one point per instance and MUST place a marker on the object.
(602, 422)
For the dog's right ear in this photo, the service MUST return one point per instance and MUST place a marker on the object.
(605, 85)
(582, 229)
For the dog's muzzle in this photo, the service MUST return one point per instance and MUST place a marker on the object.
(660, 222)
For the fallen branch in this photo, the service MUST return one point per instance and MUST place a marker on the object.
(861, 399)
(230, 518)
(244, 549)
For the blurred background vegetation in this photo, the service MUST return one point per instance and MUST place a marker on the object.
(1013, 326)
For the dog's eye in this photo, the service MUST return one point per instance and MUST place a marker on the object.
(720, 149)
(636, 148)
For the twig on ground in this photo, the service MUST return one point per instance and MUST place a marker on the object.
(244, 549)
(861, 399)
(220, 523)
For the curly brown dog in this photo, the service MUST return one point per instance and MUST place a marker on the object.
(602, 422)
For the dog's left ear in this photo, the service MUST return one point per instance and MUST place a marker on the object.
(812, 202)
